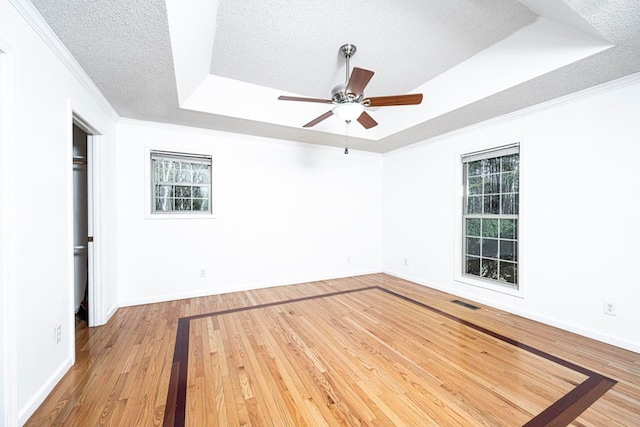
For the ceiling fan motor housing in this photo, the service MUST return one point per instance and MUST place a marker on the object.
(348, 98)
(339, 95)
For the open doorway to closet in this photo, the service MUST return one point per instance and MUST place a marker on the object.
(87, 292)
(82, 236)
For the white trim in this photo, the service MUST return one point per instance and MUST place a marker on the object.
(241, 287)
(96, 290)
(170, 127)
(95, 159)
(603, 88)
(457, 214)
(43, 392)
(565, 326)
(40, 26)
(111, 312)
(491, 152)
(148, 196)
(8, 324)
(70, 331)
(101, 316)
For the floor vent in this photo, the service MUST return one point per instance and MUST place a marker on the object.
(464, 304)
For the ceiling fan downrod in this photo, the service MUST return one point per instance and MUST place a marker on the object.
(338, 93)
(348, 50)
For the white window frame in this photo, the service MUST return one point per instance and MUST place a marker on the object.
(459, 275)
(150, 212)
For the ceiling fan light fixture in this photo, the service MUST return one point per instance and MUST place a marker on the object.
(348, 111)
(348, 97)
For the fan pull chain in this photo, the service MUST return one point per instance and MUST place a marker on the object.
(346, 137)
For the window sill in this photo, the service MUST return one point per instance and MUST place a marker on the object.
(489, 285)
(179, 216)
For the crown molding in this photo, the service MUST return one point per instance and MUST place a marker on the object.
(31, 15)
(622, 82)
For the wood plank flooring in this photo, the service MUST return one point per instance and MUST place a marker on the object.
(368, 350)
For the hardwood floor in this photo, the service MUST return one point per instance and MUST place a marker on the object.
(368, 350)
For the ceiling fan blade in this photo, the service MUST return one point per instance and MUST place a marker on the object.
(297, 98)
(319, 119)
(389, 101)
(358, 81)
(366, 120)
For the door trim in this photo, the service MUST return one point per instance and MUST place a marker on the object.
(8, 284)
(95, 251)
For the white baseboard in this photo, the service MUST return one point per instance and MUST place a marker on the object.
(238, 288)
(566, 326)
(111, 312)
(44, 391)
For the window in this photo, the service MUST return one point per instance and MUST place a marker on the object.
(180, 183)
(490, 215)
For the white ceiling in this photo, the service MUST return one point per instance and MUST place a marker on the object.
(222, 64)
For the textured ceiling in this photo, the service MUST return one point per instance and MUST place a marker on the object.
(293, 45)
(125, 46)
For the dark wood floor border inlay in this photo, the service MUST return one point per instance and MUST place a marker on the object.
(174, 413)
(560, 413)
(565, 409)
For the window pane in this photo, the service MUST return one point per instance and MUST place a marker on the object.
(509, 182)
(510, 204)
(490, 227)
(473, 226)
(491, 165)
(491, 201)
(164, 190)
(508, 250)
(473, 246)
(184, 176)
(182, 204)
(508, 229)
(492, 184)
(202, 192)
(475, 168)
(163, 204)
(169, 169)
(489, 269)
(473, 266)
(490, 248)
(200, 205)
(475, 185)
(182, 191)
(474, 205)
(201, 177)
(508, 272)
(510, 163)
(492, 205)
(165, 170)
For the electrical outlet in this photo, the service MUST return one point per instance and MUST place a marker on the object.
(348, 259)
(610, 308)
(203, 273)
(57, 334)
(406, 261)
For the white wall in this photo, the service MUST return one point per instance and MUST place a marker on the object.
(579, 209)
(45, 95)
(7, 284)
(289, 212)
(285, 213)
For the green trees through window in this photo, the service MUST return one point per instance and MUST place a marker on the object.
(491, 206)
(181, 183)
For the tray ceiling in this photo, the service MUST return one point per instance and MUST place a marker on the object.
(222, 64)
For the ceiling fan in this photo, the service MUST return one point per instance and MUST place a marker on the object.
(349, 100)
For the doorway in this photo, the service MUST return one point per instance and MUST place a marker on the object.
(81, 234)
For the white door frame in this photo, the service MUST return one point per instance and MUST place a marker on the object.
(95, 249)
(8, 287)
